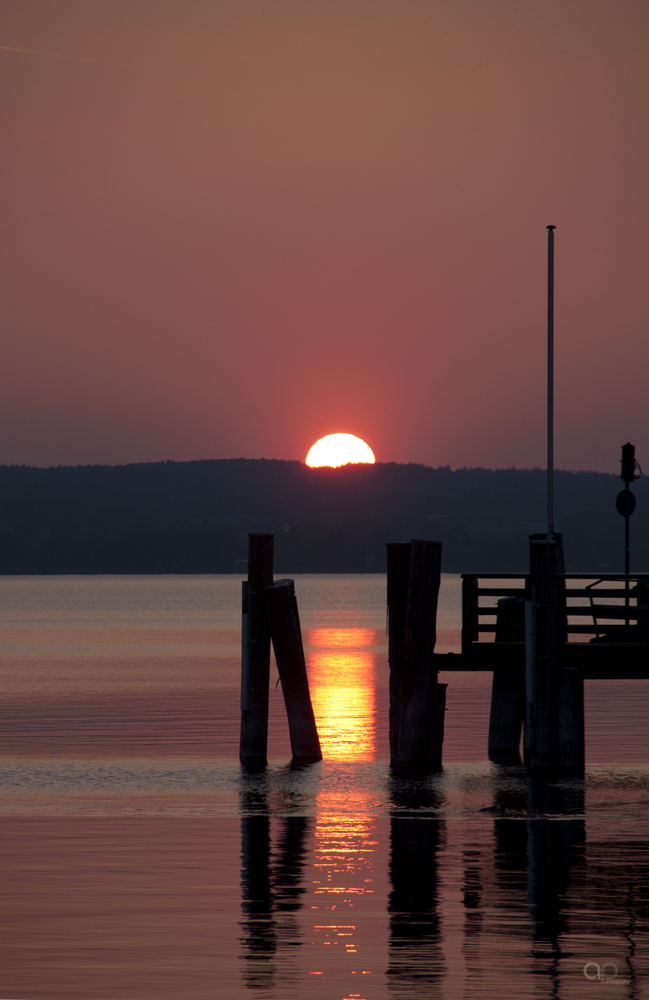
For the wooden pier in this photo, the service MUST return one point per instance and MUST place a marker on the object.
(542, 622)
(624, 659)
(540, 655)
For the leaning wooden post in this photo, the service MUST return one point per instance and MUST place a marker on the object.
(542, 719)
(286, 634)
(398, 576)
(508, 687)
(255, 673)
(422, 699)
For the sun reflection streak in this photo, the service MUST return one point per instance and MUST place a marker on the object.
(342, 678)
(342, 681)
(345, 846)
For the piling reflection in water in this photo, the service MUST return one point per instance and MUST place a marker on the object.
(416, 961)
(556, 836)
(504, 900)
(259, 935)
(342, 682)
(259, 930)
(572, 886)
(510, 858)
(272, 887)
(577, 901)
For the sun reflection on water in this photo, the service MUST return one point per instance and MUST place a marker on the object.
(345, 848)
(342, 674)
(342, 682)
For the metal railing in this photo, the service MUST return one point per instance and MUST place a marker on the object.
(619, 612)
(473, 611)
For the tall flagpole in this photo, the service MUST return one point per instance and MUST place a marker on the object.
(550, 381)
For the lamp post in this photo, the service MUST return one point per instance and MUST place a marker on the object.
(550, 529)
(625, 504)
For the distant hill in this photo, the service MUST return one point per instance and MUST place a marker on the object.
(194, 517)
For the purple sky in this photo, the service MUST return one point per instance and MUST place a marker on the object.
(250, 224)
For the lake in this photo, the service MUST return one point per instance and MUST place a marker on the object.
(140, 860)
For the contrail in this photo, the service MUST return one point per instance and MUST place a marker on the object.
(58, 55)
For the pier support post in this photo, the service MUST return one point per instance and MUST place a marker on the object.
(398, 576)
(508, 687)
(284, 621)
(543, 740)
(571, 719)
(255, 674)
(572, 749)
(422, 701)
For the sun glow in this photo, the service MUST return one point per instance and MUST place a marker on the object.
(340, 449)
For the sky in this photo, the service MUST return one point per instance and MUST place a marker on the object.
(230, 227)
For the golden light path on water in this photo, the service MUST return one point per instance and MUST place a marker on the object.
(344, 860)
(342, 682)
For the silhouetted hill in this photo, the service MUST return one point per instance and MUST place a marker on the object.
(194, 517)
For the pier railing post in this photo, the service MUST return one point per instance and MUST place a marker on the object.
(253, 741)
(284, 621)
(422, 700)
(470, 604)
(641, 594)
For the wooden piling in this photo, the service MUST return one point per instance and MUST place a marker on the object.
(398, 576)
(245, 644)
(508, 687)
(543, 718)
(253, 741)
(530, 659)
(571, 719)
(284, 622)
(422, 700)
(572, 738)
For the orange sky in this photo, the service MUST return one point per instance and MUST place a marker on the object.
(251, 223)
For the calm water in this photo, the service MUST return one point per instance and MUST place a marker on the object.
(138, 860)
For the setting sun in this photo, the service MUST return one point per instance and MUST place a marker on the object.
(339, 449)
